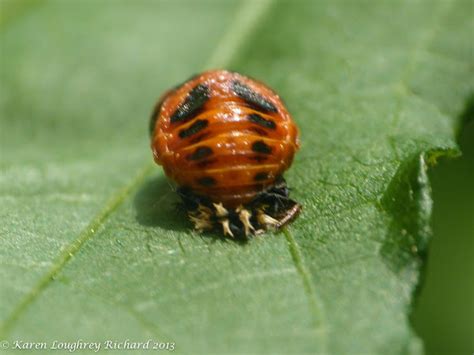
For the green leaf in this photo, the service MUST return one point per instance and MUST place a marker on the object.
(447, 280)
(92, 246)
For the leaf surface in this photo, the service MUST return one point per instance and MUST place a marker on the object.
(92, 246)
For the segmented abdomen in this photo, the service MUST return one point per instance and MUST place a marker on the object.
(223, 135)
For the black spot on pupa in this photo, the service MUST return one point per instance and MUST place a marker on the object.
(256, 118)
(192, 105)
(261, 147)
(252, 98)
(200, 153)
(193, 129)
(258, 158)
(206, 181)
(261, 176)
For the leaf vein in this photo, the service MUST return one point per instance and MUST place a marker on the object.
(73, 248)
(315, 305)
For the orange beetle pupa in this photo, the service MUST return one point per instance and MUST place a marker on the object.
(226, 140)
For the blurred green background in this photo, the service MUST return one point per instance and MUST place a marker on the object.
(444, 311)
